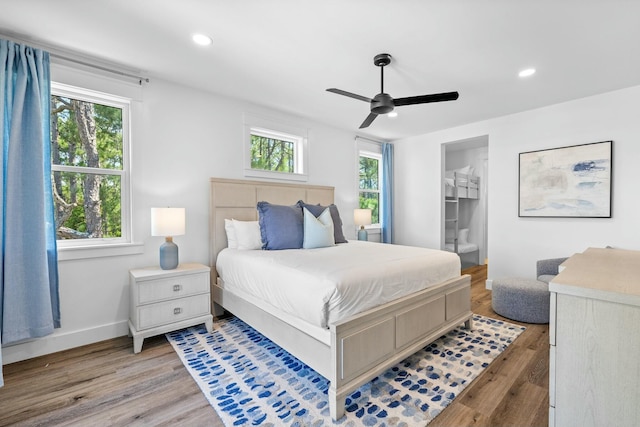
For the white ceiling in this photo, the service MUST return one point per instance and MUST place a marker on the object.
(285, 53)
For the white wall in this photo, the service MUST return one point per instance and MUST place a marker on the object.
(516, 243)
(181, 138)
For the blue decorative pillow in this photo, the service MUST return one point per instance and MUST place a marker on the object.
(316, 210)
(318, 232)
(281, 227)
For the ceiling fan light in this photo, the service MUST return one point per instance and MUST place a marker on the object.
(527, 72)
(392, 114)
(202, 39)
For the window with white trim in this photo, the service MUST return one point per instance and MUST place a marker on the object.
(369, 181)
(90, 166)
(275, 150)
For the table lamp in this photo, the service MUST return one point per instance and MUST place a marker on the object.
(168, 222)
(362, 217)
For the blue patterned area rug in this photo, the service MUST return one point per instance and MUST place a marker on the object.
(251, 381)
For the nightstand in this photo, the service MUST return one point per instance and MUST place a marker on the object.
(166, 300)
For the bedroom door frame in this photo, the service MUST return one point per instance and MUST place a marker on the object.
(470, 144)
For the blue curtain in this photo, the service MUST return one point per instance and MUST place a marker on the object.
(29, 305)
(386, 199)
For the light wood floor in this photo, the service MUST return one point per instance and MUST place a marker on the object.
(105, 384)
(514, 389)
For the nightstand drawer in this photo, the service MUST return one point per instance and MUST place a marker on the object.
(162, 313)
(150, 291)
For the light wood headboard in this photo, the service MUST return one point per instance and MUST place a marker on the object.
(237, 199)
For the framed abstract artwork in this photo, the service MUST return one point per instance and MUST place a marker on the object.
(572, 181)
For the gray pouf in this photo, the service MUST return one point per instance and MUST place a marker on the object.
(524, 300)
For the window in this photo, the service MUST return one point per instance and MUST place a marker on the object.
(369, 183)
(275, 150)
(89, 162)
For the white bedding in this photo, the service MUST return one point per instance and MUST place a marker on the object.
(463, 248)
(323, 285)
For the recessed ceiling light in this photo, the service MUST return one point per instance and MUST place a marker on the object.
(527, 72)
(392, 114)
(202, 40)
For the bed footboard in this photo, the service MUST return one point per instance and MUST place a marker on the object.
(367, 344)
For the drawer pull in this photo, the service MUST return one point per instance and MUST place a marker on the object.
(177, 288)
(177, 310)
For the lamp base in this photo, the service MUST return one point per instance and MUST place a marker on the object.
(362, 234)
(168, 254)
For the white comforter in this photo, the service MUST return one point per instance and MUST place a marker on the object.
(324, 285)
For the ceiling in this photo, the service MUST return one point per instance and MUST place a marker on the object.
(285, 53)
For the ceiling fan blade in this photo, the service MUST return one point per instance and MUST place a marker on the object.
(349, 94)
(423, 99)
(370, 118)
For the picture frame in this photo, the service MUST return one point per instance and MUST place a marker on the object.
(566, 182)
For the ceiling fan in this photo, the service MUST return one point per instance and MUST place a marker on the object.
(383, 103)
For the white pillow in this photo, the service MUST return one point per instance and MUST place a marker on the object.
(232, 242)
(467, 170)
(318, 232)
(463, 235)
(247, 235)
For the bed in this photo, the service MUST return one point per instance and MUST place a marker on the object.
(461, 185)
(358, 346)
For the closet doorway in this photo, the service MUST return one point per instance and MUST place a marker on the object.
(464, 209)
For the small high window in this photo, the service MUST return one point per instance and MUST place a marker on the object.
(275, 150)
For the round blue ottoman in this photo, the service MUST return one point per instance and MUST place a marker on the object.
(524, 300)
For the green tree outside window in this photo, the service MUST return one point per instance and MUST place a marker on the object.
(87, 161)
(272, 154)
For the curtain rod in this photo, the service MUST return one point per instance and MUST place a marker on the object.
(368, 139)
(99, 67)
(57, 53)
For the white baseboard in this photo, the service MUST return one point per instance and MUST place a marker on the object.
(62, 341)
(488, 283)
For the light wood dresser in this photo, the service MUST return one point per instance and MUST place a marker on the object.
(166, 300)
(594, 364)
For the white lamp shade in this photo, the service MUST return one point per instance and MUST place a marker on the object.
(167, 221)
(362, 216)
